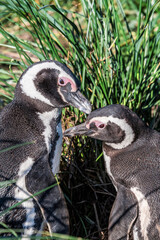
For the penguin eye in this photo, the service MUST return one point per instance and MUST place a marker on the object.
(62, 82)
(97, 124)
(101, 125)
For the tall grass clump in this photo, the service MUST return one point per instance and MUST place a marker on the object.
(114, 48)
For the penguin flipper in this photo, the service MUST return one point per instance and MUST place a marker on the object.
(123, 215)
(51, 202)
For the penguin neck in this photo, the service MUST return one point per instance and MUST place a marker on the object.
(33, 104)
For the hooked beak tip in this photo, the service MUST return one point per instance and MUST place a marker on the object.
(86, 109)
(79, 101)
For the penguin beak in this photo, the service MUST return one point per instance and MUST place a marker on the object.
(78, 130)
(76, 99)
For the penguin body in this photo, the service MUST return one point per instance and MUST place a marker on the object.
(132, 158)
(31, 141)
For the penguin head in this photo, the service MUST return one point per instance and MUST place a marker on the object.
(115, 125)
(52, 83)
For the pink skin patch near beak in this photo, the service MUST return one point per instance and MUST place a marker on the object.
(64, 80)
(87, 125)
(98, 124)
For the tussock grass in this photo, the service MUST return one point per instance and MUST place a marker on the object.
(114, 48)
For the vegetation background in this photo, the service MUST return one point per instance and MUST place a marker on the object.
(113, 46)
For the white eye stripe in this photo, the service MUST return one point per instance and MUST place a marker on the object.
(27, 80)
(129, 134)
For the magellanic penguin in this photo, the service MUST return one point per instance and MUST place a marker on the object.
(33, 118)
(132, 159)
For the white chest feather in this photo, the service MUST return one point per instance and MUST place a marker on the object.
(144, 211)
(46, 119)
(135, 233)
(55, 151)
(107, 161)
(21, 193)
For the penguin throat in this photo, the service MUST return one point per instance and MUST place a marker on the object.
(129, 138)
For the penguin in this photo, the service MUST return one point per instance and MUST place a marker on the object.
(30, 149)
(132, 159)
